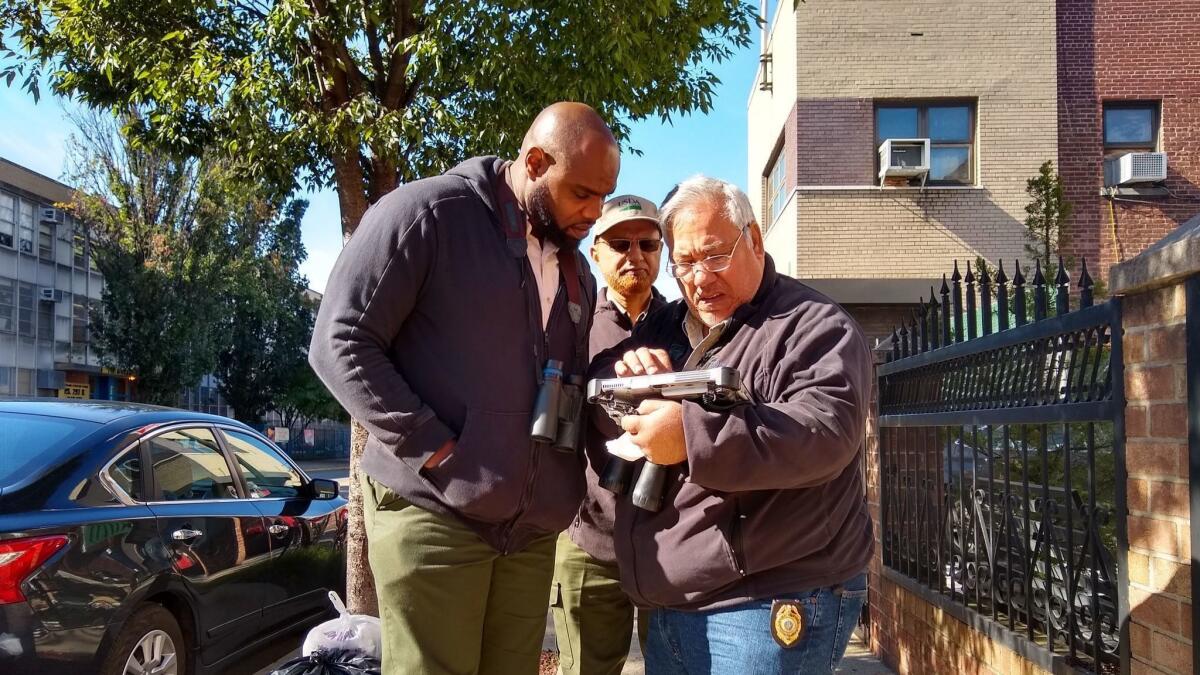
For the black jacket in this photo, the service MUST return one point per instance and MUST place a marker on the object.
(771, 499)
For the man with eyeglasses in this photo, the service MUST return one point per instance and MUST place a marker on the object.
(593, 617)
(756, 562)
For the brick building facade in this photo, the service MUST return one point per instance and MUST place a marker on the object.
(836, 69)
(1037, 78)
(1115, 53)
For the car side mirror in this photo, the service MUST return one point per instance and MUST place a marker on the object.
(324, 488)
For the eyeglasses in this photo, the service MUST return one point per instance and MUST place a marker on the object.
(713, 263)
(623, 245)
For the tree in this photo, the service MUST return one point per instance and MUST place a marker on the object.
(366, 95)
(1047, 214)
(156, 238)
(265, 319)
(306, 400)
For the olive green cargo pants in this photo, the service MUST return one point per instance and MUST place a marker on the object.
(593, 618)
(449, 603)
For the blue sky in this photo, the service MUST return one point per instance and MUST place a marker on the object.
(35, 135)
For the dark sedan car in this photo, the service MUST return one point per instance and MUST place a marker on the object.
(145, 540)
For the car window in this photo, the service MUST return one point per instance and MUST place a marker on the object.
(266, 472)
(126, 472)
(188, 465)
(33, 443)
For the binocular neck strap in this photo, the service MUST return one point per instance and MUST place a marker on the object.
(568, 264)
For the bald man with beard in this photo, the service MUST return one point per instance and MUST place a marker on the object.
(437, 326)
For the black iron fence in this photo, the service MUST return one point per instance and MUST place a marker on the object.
(1002, 463)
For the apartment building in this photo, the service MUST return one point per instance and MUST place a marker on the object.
(1128, 86)
(889, 139)
(48, 286)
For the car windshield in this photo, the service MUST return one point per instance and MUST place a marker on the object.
(29, 442)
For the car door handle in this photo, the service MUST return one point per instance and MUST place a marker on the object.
(278, 530)
(186, 535)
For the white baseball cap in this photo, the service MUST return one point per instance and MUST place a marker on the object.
(624, 209)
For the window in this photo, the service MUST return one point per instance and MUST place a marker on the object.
(6, 384)
(126, 472)
(950, 128)
(188, 465)
(80, 248)
(45, 321)
(79, 319)
(25, 309)
(25, 226)
(46, 241)
(24, 382)
(8, 218)
(1131, 126)
(776, 193)
(8, 304)
(266, 472)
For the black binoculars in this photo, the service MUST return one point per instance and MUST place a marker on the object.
(647, 490)
(558, 410)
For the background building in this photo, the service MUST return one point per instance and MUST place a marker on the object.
(839, 78)
(48, 285)
(998, 88)
(1128, 81)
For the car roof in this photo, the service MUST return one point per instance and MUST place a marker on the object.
(105, 412)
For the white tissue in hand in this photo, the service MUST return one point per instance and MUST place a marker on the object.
(625, 448)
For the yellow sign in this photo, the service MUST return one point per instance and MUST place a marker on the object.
(82, 391)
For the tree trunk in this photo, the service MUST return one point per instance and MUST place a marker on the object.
(360, 583)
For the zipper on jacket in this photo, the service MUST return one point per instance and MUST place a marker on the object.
(633, 557)
(735, 536)
(531, 477)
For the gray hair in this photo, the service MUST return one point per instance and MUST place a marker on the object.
(713, 191)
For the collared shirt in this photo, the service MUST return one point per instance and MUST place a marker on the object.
(700, 340)
(543, 258)
(616, 301)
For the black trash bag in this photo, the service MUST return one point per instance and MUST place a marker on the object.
(331, 662)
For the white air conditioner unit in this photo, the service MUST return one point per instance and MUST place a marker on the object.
(50, 295)
(52, 215)
(904, 157)
(1135, 167)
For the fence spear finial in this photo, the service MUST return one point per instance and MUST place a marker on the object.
(1086, 285)
(1062, 291)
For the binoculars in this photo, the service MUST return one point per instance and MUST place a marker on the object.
(647, 490)
(558, 410)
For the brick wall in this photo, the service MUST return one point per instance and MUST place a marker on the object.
(877, 321)
(850, 53)
(835, 143)
(1157, 459)
(1127, 50)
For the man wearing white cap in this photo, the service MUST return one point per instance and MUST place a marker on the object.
(587, 589)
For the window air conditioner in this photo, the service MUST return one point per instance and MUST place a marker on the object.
(1135, 167)
(52, 215)
(51, 295)
(904, 157)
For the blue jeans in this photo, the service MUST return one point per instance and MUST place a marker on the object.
(737, 640)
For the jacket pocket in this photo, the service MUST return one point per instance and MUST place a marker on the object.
(558, 488)
(485, 476)
(683, 554)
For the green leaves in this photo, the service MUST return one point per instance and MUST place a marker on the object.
(395, 90)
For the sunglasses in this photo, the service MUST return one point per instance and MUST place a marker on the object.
(623, 245)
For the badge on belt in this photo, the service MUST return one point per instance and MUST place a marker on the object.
(787, 622)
